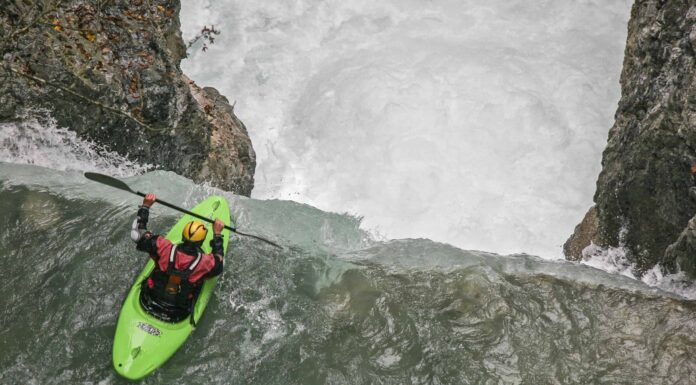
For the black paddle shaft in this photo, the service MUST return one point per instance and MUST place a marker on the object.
(116, 183)
(171, 206)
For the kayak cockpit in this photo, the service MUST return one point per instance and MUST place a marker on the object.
(162, 311)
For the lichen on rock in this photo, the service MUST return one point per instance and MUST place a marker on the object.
(110, 71)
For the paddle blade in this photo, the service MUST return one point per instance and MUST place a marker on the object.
(107, 180)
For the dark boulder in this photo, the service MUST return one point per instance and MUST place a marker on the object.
(110, 72)
(642, 197)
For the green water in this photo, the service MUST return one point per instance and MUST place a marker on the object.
(334, 307)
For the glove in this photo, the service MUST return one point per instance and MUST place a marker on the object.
(218, 226)
(149, 200)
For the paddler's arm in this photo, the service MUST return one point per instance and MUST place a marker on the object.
(216, 244)
(144, 239)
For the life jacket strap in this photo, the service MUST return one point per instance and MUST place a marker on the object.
(195, 263)
(171, 266)
(172, 254)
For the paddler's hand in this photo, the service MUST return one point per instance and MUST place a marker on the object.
(218, 226)
(149, 200)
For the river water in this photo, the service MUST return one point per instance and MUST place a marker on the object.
(334, 307)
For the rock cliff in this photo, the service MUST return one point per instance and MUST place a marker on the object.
(642, 201)
(109, 70)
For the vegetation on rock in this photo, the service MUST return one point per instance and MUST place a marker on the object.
(109, 70)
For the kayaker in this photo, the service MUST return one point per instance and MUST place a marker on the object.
(180, 269)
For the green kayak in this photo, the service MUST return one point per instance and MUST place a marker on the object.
(142, 342)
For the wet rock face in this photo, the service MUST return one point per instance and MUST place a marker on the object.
(585, 233)
(110, 71)
(231, 156)
(642, 198)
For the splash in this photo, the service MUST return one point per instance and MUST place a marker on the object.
(614, 260)
(479, 124)
(47, 145)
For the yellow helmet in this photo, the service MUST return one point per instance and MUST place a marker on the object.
(195, 232)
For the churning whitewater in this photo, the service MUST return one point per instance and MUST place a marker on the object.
(476, 123)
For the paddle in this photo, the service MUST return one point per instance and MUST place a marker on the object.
(119, 184)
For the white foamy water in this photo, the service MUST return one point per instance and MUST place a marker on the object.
(480, 124)
(614, 260)
(47, 145)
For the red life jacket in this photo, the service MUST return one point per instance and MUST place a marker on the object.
(177, 277)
